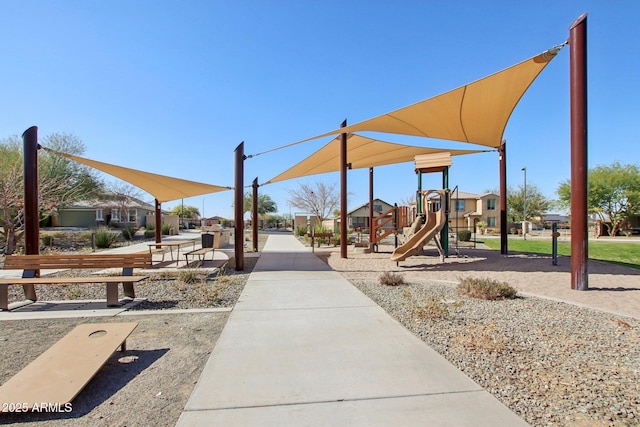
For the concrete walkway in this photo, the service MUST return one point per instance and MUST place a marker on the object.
(304, 347)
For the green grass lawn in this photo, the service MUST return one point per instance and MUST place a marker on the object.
(619, 253)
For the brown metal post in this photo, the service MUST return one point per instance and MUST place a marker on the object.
(502, 151)
(238, 206)
(343, 192)
(158, 222)
(579, 171)
(254, 214)
(372, 236)
(31, 208)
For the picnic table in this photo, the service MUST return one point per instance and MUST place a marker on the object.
(170, 244)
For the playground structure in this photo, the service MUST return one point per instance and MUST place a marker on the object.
(389, 222)
(418, 235)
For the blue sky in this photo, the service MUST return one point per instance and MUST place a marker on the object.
(172, 87)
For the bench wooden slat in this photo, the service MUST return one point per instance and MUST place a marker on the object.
(35, 262)
(198, 252)
(62, 371)
(30, 264)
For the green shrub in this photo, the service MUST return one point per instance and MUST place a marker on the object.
(391, 279)
(104, 238)
(165, 229)
(464, 235)
(148, 234)
(129, 230)
(150, 226)
(301, 230)
(488, 289)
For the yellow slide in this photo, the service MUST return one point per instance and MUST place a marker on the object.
(413, 246)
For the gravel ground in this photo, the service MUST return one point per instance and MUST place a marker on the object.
(552, 363)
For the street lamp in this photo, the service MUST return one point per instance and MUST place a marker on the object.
(524, 206)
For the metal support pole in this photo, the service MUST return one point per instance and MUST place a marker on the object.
(254, 214)
(524, 206)
(343, 192)
(419, 195)
(239, 206)
(554, 243)
(158, 219)
(502, 151)
(31, 205)
(372, 236)
(579, 171)
(444, 233)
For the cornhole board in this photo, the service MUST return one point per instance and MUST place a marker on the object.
(57, 376)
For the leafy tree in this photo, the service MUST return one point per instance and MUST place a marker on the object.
(613, 194)
(60, 182)
(319, 200)
(186, 211)
(265, 204)
(536, 203)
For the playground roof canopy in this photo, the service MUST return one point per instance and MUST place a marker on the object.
(162, 188)
(362, 152)
(476, 113)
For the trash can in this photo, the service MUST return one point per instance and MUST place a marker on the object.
(207, 240)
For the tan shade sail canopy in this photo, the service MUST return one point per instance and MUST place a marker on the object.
(162, 188)
(362, 152)
(476, 113)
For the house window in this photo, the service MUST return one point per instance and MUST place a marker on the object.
(491, 205)
(99, 216)
(115, 215)
(460, 205)
(491, 221)
(132, 215)
(377, 208)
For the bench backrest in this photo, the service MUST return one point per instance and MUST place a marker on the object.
(36, 262)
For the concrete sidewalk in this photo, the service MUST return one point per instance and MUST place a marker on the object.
(304, 347)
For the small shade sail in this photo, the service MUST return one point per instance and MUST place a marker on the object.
(476, 112)
(162, 188)
(362, 152)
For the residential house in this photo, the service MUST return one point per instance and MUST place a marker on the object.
(107, 210)
(358, 218)
(467, 209)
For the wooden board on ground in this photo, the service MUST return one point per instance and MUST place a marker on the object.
(61, 372)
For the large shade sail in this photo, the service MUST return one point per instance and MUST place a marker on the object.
(476, 112)
(162, 188)
(362, 152)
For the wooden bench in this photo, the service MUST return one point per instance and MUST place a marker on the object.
(32, 264)
(57, 376)
(200, 253)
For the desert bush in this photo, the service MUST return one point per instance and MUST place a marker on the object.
(148, 234)
(191, 276)
(391, 279)
(301, 230)
(166, 228)
(104, 238)
(129, 230)
(464, 235)
(488, 289)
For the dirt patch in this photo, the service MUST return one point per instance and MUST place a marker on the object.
(148, 384)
